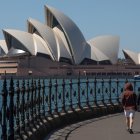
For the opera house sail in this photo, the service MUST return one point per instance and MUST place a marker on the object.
(54, 44)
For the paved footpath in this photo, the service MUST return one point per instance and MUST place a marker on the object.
(111, 127)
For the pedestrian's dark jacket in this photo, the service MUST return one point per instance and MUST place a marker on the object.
(129, 98)
(138, 101)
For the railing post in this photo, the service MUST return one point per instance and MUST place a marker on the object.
(23, 106)
(56, 97)
(117, 82)
(4, 106)
(17, 108)
(43, 94)
(87, 87)
(95, 93)
(11, 111)
(27, 103)
(32, 101)
(35, 101)
(103, 101)
(39, 101)
(70, 84)
(79, 96)
(50, 98)
(135, 85)
(110, 97)
(63, 92)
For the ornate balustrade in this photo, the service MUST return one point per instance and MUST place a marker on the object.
(30, 105)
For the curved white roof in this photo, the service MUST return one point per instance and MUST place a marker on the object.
(135, 57)
(88, 53)
(3, 46)
(61, 39)
(27, 42)
(74, 37)
(62, 44)
(41, 46)
(46, 33)
(20, 39)
(94, 54)
(108, 45)
(98, 54)
(16, 52)
(52, 39)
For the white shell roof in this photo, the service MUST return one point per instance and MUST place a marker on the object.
(24, 38)
(16, 52)
(74, 36)
(46, 33)
(3, 45)
(41, 46)
(108, 45)
(88, 53)
(62, 44)
(52, 39)
(98, 54)
(94, 54)
(135, 57)
(31, 43)
(62, 38)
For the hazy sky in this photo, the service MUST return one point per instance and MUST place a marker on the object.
(93, 17)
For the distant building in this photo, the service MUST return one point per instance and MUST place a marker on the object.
(55, 48)
(132, 57)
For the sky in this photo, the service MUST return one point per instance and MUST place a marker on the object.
(93, 17)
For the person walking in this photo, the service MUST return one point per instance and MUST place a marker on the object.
(129, 102)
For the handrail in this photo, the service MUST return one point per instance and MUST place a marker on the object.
(26, 102)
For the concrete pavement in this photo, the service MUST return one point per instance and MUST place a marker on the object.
(110, 127)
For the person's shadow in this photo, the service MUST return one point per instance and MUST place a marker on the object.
(136, 132)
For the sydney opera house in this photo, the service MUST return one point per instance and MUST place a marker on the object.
(58, 47)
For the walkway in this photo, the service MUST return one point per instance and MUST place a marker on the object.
(111, 127)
